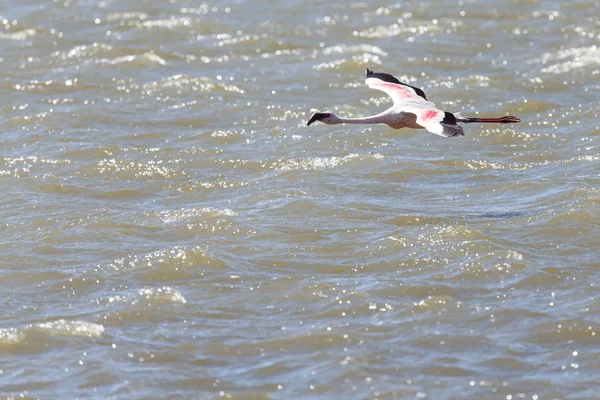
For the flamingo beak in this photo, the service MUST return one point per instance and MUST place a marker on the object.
(316, 117)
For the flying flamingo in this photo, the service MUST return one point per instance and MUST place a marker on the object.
(411, 109)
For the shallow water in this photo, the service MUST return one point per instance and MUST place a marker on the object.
(172, 229)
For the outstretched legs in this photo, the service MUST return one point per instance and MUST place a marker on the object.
(502, 120)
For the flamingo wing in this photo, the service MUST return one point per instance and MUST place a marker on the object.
(410, 99)
(436, 121)
(398, 91)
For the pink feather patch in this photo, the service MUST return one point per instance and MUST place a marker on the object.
(430, 114)
(399, 89)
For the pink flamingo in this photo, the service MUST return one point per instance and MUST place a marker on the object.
(411, 109)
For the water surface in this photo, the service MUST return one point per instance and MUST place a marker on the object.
(172, 229)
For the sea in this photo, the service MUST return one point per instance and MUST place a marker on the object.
(170, 227)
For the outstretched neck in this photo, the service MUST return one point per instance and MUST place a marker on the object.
(373, 119)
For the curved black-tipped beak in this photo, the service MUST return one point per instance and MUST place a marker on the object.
(316, 117)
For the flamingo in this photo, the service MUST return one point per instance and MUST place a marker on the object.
(411, 109)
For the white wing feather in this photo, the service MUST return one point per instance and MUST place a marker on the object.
(408, 101)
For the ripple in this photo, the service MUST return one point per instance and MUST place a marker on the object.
(565, 331)
(452, 341)
(447, 371)
(149, 296)
(124, 169)
(187, 84)
(162, 295)
(10, 336)
(569, 60)
(190, 214)
(362, 48)
(85, 51)
(19, 35)
(318, 163)
(135, 60)
(170, 264)
(63, 327)
(505, 363)
(127, 15)
(20, 167)
(432, 303)
(170, 24)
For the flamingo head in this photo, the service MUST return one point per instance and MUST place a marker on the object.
(324, 117)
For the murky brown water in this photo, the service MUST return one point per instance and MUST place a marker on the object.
(172, 229)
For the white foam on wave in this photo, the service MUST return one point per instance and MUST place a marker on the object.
(171, 23)
(568, 60)
(70, 328)
(175, 258)
(20, 35)
(149, 169)
(322, 162)
(159, 295)
(11, 336)
(84, 51)
(361, 48)
(398, 28)
(363, 53)
(120, 16)
(186, 83)
(330, 65)
(144, 59)
(29, 161)
(17, 166)
(165, 294)
(184, 214)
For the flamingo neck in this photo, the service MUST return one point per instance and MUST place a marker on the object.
(374, 119)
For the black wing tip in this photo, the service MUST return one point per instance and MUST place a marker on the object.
(451, 128)
(384, 76)
(392, 79)
(420, 92)
(449, 118)
(453, 131)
